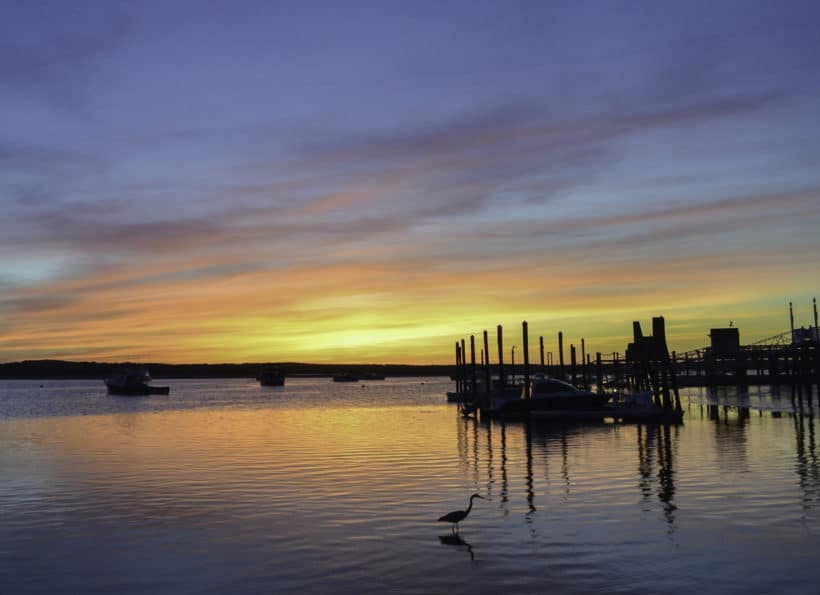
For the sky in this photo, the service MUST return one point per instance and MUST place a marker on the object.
(368, 182)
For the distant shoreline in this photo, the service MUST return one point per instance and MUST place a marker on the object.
(67, 370)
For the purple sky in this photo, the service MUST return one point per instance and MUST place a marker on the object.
(636, 158)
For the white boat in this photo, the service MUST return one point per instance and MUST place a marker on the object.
(133, 382)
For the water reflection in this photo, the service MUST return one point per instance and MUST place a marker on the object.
(456, 540)
(519, 453)
(733, 445)
(666, 472)
(663, 441)
(805, 445)
(343, 499)
(505, 483)
(530, 492)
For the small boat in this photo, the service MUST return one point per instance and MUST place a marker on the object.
(347, 377)
(628, 407)
(457, 397)
(271, 377)
(372, 376)
(640, 407)
(133, 383)
(547, 394)
(510, 391)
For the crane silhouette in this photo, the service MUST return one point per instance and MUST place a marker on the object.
(457, 516)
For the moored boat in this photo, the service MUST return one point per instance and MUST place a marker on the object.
(372, 376)
(458, 397)
(547, 394)
(628, 407)
(133, 383)
(271, 377)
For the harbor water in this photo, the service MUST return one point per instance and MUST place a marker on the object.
(224, 486)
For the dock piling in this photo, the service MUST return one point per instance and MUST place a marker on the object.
(463, 367)
(526, 340)
(474, 386)
(599, 372)
(458, 368)
(561, 355)
(791, 320)
(584, 362)
(499, 332)
(487, 366)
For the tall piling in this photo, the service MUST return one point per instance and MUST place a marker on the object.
(584, 362)
(501, 380)
(599, 373)
(487, 367)
(463, 367)
(791, 321)
(458, 368)
(526, 340)
(541, 343)
(474, 386)
(561, 355)
(572, 362)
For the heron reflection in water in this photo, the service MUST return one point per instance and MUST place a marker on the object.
(457, 516)
(457, 541)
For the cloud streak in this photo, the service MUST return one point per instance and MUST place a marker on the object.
(209, 200)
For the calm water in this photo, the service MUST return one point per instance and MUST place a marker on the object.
(227, 487)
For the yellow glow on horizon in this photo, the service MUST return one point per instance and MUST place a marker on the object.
(374, 313)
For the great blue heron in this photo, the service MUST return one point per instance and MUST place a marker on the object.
(457, 516)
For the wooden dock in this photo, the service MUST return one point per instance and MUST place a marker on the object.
(647, 365)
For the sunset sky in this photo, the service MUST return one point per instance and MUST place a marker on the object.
(370, 181)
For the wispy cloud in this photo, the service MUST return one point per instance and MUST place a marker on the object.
(56, 60)
(211, 200)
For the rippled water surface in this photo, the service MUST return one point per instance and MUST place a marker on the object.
(227, 487)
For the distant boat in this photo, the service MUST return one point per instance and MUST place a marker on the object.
(347, 377)
(271, 377)
(133, 383)
(371, 376)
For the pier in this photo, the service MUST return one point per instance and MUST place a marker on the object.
(646, 366)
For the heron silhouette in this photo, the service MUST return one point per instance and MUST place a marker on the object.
(457, 516)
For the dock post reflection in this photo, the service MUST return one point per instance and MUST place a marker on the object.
(666, 474)
(505, 485)
(806, 464)
(529, 479)
(646, 436)
(476, 472)
(490, 474)
(656, 450)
